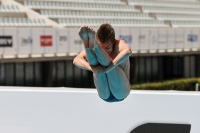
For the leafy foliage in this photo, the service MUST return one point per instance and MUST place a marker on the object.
(186, 84)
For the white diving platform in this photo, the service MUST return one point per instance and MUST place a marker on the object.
(73, 110)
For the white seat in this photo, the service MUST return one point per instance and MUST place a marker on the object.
(61, 21)
(26, 3)
(3, 8)
(24, 21)
(11, 21)
(30, 22)
(16, 8)
(38, 4)
(35, 3)
(6, 21)
(1, 22)
(18, 22)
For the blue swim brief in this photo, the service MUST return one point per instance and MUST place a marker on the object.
(112, 99)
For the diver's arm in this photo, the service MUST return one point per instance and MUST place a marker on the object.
(124, 54)
(80, 61)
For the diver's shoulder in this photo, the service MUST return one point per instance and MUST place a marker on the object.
(119, 41)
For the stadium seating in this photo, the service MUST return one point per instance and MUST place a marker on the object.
(175, 10)
(114, 22)
(99, 1)
(194, 24)
(94, 14)
(165, 3)
(108, 1)
(68, 13)
(10, 21)
(178, 17)
(9, 8)
(12, 16)
(141, 13)
(78, 6)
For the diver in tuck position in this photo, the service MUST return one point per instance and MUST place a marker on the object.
(108, 58)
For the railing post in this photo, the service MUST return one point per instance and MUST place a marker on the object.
(197, 87)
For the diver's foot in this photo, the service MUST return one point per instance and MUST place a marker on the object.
(83, 33)
(91, 35)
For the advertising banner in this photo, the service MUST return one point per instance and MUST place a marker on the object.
(39, 41)
(143, 39)
(162, 39)
(126, 35)
(38, 46)
(187, 40)
(62, 41)
(135, 39)
(170, 40)
(48, 41)
(194, 39)
(179, 38)
(153, 39)
(75, 42)
(9, 41)
(25, 41)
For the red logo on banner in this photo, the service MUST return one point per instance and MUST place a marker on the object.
(46, 41)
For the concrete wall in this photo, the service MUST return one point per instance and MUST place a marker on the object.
(72, 110)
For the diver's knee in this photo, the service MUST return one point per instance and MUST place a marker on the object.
(94, 62)
(104, 63)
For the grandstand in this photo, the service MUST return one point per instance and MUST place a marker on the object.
(163, 35)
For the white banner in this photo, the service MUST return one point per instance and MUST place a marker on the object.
(194, 38)
(126, 35)
(9, 40)
(62, 41)
(49, 41)
(38, 47)
(39, 41)
(135, 39)
(179, 38)
(117, 32)
(188, 43)
(162, 39)
(144, 39)
(25, 41)
(75, 42)
(153, 39)
(170, 39)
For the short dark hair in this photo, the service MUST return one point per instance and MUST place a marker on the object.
(105, 33)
